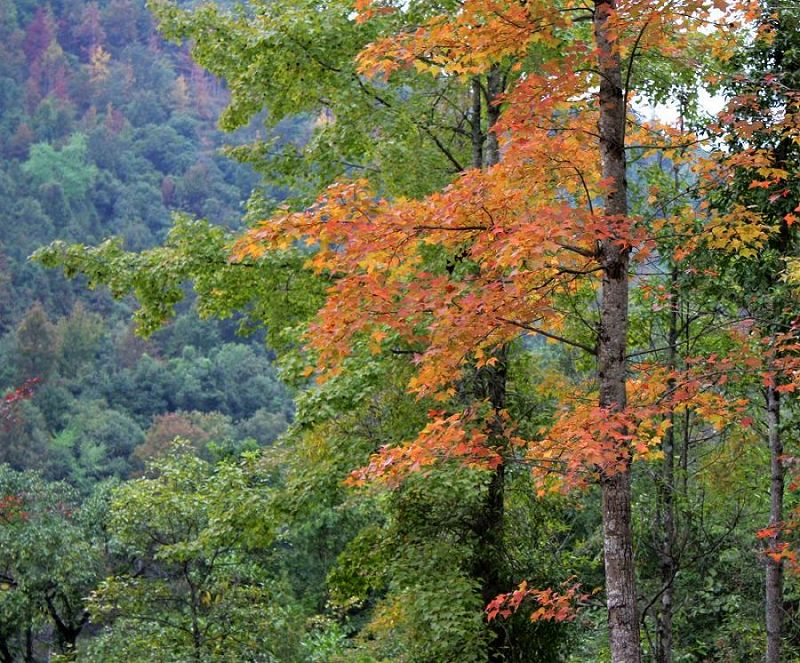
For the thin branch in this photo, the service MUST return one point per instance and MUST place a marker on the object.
(585, 188)
(577, 249)
(452, 228)
(631, 57)
(555, 337)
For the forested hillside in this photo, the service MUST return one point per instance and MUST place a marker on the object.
(452, 355)
(107, 130)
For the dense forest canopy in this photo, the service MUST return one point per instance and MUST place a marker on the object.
(399, 331)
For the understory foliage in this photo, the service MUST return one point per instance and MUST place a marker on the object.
(542, 343)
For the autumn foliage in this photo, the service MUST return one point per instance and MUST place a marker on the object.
(527, 228)
(525, 232)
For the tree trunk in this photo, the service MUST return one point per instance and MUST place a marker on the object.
(495, 83)
(774, 571)
(491, 384)
(194, 609)
(5, 652)
(774, 579)
(475, 116)
(667, 499)
(28, 655)
(623, 621)
(67, 633)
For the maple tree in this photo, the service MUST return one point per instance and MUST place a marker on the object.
(531, 231)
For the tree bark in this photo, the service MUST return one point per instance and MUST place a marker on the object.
(194, 608)
(476, 119)
(774, 576)
(774, 571)
(495, 83)
(623, 620)
(491, 384)
(667, 499)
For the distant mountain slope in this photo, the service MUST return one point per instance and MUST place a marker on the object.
(105, 129)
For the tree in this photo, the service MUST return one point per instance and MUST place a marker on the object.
(20, 142)
(67, 167)
(37, 349)
(200, 592)
(89, 32)
(763, 159)
(79, 336)
(195, 428)
(273, 55)
(519, 260)
(39, 35)
(48, 564)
